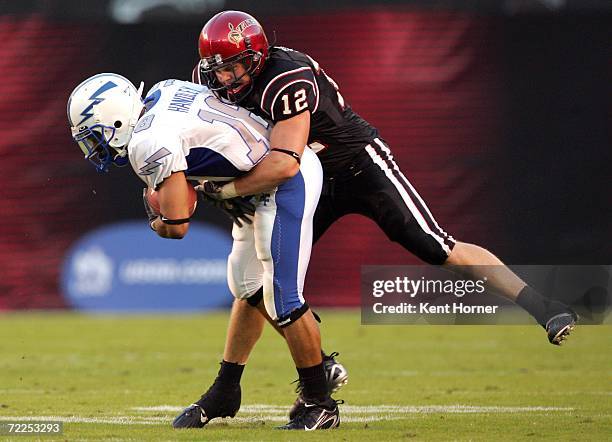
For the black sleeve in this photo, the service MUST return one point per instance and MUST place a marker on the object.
(290, 93)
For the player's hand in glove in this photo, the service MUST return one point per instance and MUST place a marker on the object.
(239, 209)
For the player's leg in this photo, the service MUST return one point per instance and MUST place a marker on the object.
(243, 331)
(247, 316)
(283, 240)
(392, 201)
(247, 319)
(477, 263)
(245, 327)
(326, 214)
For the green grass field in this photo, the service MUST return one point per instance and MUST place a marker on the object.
(126, 377)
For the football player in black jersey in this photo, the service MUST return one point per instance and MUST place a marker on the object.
(360, 174)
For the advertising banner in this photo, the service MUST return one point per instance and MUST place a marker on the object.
(125, 267)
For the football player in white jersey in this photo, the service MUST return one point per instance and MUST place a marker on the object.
(182, 132)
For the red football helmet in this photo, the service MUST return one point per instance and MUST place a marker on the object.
(232, 37)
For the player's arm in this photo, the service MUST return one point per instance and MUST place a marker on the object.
(289, 99)
(174, 207)
(277, 167)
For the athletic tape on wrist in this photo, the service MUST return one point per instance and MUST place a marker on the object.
(228, 191)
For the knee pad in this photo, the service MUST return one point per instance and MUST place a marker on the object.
(293, 316)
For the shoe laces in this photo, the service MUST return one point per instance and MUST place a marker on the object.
(331, 356)
(299, 387)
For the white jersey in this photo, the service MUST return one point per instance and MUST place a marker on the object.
(186, 128)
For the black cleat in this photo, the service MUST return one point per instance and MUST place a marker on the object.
(191, 417)
(560, 326)
(218, 401)
(336, 376)
(313, 416)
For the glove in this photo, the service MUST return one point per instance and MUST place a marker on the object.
(148, 209)
(238, 209)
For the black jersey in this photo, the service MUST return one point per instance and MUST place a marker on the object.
(291, 83)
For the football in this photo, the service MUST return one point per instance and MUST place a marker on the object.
(152, 198)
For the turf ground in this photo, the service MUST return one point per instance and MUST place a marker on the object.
(126, 377)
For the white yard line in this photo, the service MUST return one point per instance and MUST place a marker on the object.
(363, 409)
(278, 413)
(130, 420)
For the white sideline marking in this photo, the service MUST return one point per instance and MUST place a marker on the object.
(278, 413)
(129, 420)
(362, 409)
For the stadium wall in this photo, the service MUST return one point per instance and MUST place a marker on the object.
(501, 123)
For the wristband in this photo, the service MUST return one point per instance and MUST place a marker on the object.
(174, 222)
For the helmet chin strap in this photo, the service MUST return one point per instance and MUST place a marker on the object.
(121, 158)
(121, 153)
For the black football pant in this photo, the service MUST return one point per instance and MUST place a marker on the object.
(373, 186)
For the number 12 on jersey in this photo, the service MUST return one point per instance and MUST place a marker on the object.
(300, 102)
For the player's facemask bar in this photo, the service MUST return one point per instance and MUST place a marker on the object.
(94, 142)
(235, 91)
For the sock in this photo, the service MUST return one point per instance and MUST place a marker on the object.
(535, 304)
(314, 384)
(230, 373)
(223, 397)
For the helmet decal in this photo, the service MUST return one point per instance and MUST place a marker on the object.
(95, 99)
(235, 34)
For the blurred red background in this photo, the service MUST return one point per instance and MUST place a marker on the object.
(482, 130)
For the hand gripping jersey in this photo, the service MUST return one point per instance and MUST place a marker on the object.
(186, 128)
(291, 83)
